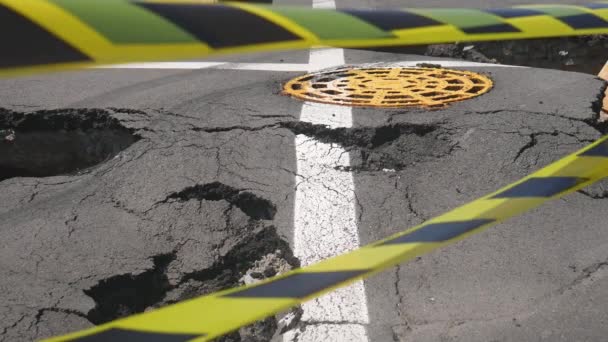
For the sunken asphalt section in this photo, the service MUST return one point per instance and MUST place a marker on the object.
(188, 187)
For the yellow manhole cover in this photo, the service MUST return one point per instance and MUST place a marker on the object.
(389, 87)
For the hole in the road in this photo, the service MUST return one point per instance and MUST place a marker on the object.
(256, 250)
(58, 142)
(255, 207)
(126, 294)
(385, 135)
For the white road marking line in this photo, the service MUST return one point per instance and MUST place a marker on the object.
(332, 333)
(329, 4)
(325, 217)
(323, 58)
(162, 65)
(211, 65)
(267, 66)
(316, 64)
(325, 225)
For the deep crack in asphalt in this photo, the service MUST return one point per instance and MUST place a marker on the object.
(254, 206)
(55, 142)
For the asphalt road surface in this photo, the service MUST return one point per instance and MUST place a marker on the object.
(129, 188)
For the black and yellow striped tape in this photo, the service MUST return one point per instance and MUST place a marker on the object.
(207, 317)
(59, 34)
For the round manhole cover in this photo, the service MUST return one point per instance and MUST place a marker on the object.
(389, 87)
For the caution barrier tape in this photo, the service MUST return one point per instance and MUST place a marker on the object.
(210, 316)
(59, 34)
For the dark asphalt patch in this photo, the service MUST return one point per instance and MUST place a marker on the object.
(50, 143)
(252, 205)
(586, 54)
(361, 136)
(392, 147)
(120, 335)
(126, 294)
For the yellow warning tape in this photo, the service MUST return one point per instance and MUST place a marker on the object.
(207, 317)
(61, 34)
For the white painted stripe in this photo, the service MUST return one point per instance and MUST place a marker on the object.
(267, 66)
(331, 333)
(325, 217)
(208, 65)
(329, 4)
(325, 225)
(326, 114)
(163, 65)
(317, 62)
(324, 58)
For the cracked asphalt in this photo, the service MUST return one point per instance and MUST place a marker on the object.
(188, 187)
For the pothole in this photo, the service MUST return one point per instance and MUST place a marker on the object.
(260, 253)
(252, 205)
(58, 142)
(389, 86)
(124, 294)
(392, 147)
